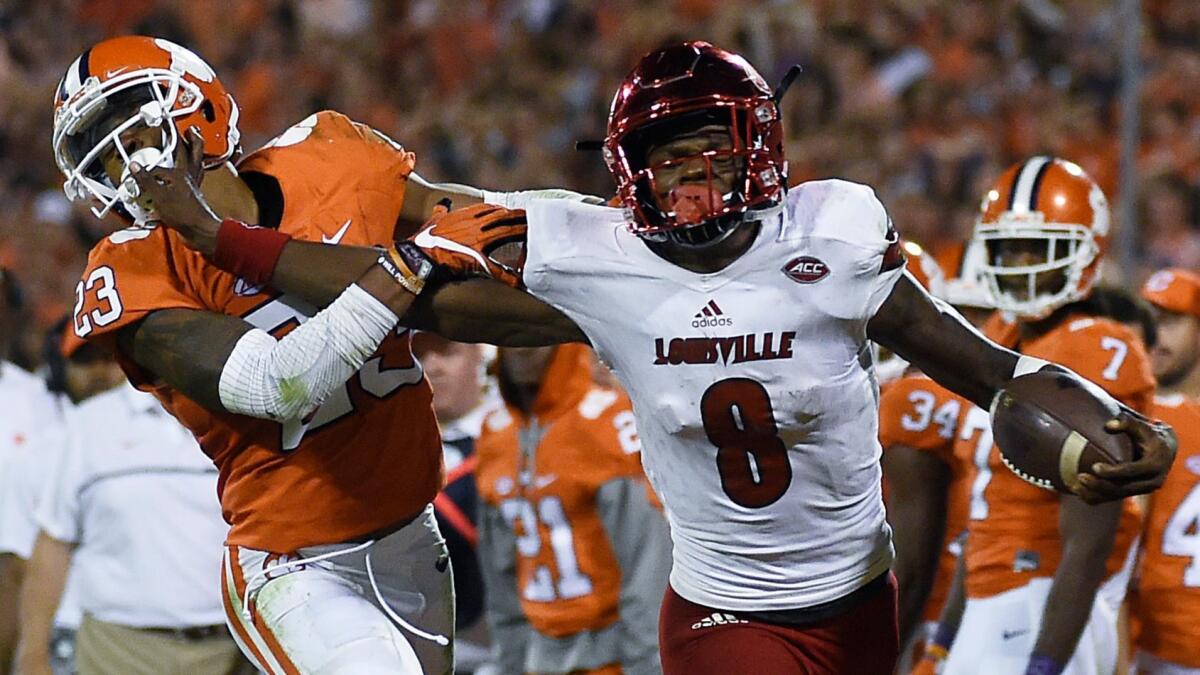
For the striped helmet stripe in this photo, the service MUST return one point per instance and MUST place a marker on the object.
(1023, 198)
(76, 74)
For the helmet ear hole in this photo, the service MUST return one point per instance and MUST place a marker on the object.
(206, 109)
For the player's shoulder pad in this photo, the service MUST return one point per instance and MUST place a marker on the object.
(1083, 330)
(566, 228)
(319, 128)
(909, 382)
(143, 248)
(837, 209)
(1103, 351)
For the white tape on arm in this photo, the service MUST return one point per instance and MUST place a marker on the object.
(520, 200)
(289, 378)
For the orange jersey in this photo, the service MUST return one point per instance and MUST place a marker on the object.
(1013, 525)
(370, 456)
(542, 474)
(917, 412)
(1168, 597)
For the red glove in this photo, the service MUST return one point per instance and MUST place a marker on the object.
(477, 241)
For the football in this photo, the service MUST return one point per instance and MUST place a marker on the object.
(1050, 427)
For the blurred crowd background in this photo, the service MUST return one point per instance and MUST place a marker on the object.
(926, 100)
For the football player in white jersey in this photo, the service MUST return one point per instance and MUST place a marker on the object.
(737, 314)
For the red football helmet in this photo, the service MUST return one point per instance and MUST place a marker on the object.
(689, 86)
(126, 82)
(1058, 209)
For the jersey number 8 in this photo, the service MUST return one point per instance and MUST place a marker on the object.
(751, 459)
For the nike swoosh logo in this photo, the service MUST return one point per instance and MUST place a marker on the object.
(427, 239)
(337, 236)
(1010, 634)
(542, 481)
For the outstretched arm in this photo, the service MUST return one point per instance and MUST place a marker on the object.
(934, 338)
(458, 244)
(485, 310)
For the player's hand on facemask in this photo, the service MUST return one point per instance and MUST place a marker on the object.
(477, 241)
(172, 196)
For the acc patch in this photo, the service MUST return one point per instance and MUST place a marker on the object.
(806, 270)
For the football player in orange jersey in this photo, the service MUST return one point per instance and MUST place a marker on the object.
(1167, 603)
(319, 422)
(918, 422)
(1046, 573)
(575, 554)
(797, 547)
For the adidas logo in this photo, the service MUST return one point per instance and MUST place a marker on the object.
(717, 619)
(711, 315)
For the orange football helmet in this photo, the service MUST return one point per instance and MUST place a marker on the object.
(1050, 201)
(126, 82)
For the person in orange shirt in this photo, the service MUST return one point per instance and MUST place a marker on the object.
(924, 491)
(1167, 602)
(575, 554)
(1045, 573)
(319, 423)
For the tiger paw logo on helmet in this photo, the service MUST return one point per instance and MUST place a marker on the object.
(124, 87)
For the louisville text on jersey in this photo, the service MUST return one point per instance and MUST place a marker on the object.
(727, 350)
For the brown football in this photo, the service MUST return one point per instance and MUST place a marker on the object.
(1050, 427)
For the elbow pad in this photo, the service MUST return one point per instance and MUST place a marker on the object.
(290, 378)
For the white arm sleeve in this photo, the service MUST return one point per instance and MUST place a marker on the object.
(287, 379)
(521, 199)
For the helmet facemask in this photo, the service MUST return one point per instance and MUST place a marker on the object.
(739, 178)
(1068, 250)
(95, 121)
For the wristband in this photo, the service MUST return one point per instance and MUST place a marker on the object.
(1028, 364)
(1043, 665)
(248, 251)
(401, 270)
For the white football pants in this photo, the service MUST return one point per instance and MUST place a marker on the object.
(383, 606)
(997, 634)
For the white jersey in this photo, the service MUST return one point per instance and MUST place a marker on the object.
(752, 387)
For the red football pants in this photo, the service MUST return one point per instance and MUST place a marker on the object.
(698, 640)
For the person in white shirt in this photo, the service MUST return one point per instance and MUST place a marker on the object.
(131, 503)
(28, 410)
(26, 405)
